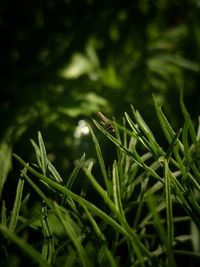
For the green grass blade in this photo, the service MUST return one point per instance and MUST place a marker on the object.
(3, 214)
(75, 172)
(117, 189)
(128, 153)
(48, 247)
(187, 118)
(5, 163)
(71, 233)
(172, 144)
(100, 158)
(37, 153)
(69, 193)
(24, 246)
(54, 172)
(43, 153)
(157, 221)
(170, 224)
(153, 145)
(38, 190)
(17, 204)
(166, 127)
(125, 229)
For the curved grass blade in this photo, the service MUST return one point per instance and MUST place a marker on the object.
(48, 248)
(3, 214)
(170, 224)
(101, 160)
(17, 204)
(43, 153)
(71, 233)
(24, 246)
(124, 229)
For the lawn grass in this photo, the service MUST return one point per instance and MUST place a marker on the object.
(148, 195)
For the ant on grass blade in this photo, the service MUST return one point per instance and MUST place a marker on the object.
(107, 125)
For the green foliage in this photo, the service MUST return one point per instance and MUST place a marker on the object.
(143, 199)
(61, 61)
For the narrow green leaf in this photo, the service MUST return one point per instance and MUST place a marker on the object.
(24, 246)
(187, 118)
(172, 144)
(75, 172)
(5, 163)
(37, 153)
(3, 214)
(48, 248)
(37, 189)
(54, 172)
(166, 127)
(125, 229)
(117, 189)
(43, 153)
(17, 204)
(69, 230)
(100, 158)
(128, 153)
(170, 225)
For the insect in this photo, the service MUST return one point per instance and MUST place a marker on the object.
(107, 125)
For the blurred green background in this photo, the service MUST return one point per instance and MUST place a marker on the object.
(61, 61)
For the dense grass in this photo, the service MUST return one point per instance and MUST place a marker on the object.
(148, 197)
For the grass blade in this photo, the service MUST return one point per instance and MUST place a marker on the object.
(3, 214)
(17, 204)
(101, 160)
(116, 189)
(24, 246)
(43, 153)
(170, 224)
(71, 233)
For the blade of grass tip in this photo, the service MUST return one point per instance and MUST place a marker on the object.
(3, 214)
(54, 172)
(37, 152)
(187, 117)
(25, 200)
(116, 189)
(75, 172)
(24, 246)
(72, 178)
(166, 127)
(137, 132)
(69, 230)
(172, 144)
(155, 148)
(17, 204)
(170, 224)
(100, 158)
(43, 153)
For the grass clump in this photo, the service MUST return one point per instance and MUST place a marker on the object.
(147, 197)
